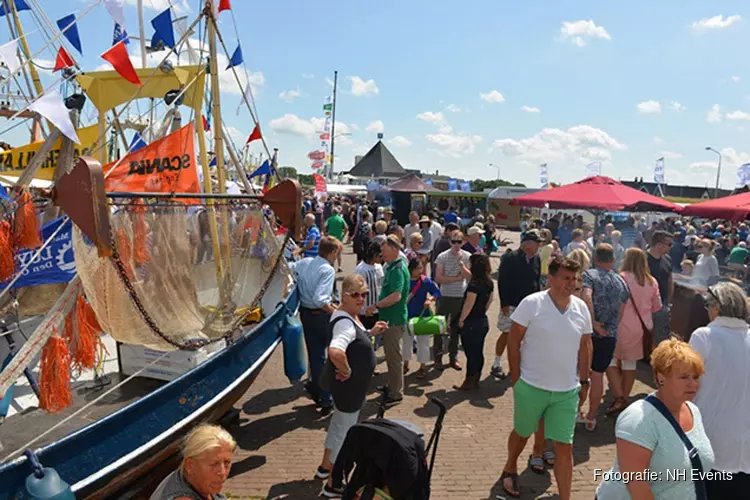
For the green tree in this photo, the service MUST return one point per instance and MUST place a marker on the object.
(306, 179)
(288, 172)
(479, 185)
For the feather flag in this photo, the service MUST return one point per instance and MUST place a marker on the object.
(255, 135)
(164, 31)
(118, 57)
(236, 58)
(63, 60)
(543, 178)
(224, 5)
(9, 56)
(69, 28)
(51, 106)
(116, 10)
(659, 171)
(743, 175)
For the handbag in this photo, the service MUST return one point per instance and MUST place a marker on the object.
(695, 459)
(427, 325)
(648, 336)
(328, 375)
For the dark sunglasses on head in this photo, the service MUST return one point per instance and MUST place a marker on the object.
(713, 296)
(456, 242)
(357, 295)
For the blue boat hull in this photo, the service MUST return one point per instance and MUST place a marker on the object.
(112, 453)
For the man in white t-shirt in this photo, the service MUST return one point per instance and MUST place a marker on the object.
(549, 353)
(452, 275)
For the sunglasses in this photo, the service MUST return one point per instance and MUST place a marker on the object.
(713, 296)
(456, 242)
(357, 295)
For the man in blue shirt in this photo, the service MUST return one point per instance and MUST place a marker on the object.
(315, 281)
(450, 216)
(312, 238)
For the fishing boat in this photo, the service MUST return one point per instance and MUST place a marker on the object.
(179, 292)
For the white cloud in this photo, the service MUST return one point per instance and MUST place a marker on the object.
(401, 141)
(671, 155)
(289, 95)
(455, 145)
(180, 6)
(452, 108)
(579, 32)
(703, 166)
(530, 109)
(738, 116)
(432, 118)
(492, 96)
(658, 140)
(648, 107)
(362, 87)
(677, 106)
(291, 124)
(329, 81)
(308, 76)
(582, 144)
(714, 114)
(375, 127)
(714, 23)
(736, 79)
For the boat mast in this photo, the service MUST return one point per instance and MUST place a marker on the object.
(142, 38)
(333, 125)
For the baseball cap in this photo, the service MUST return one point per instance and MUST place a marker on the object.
(474, 230)
(530, 236)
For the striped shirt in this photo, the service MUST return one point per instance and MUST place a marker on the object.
(313, 234)
(451, 268)
(373, 274)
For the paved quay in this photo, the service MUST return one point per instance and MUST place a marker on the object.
(280, 435)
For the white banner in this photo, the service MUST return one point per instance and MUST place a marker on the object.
(659, 171)
(543, 179)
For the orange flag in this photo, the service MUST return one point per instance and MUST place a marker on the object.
(118, 57)
(255, 135)
(63, 60)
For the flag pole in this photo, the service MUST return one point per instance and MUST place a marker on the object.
(142, 38)
(333, 124)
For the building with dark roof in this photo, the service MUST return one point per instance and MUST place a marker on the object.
(673, 191)
(378, 163)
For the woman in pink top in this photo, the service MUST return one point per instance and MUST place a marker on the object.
(645, 300)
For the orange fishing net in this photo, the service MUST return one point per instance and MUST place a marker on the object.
(54, 382)
(26, 224)
(7, 261)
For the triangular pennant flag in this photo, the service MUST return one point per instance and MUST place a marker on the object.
(255, 135)
(224, 5)
(264, 169)
(9, 56)
(206, 125)
(236, 58)
(51, 106)
(164, 32)
(69, 28)
(118, 57)
(212, 163)
(248, 95)
(115, 9)
(120, 35)
(137, 143)
(20, 5)
(63, 60)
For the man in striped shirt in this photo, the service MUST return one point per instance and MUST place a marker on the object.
(312, 238)
(372, 270)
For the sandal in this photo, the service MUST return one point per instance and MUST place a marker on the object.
(421, 373)
(549, 458)
(515, 492)
(590, 425)
(536, 464)
(618, 405)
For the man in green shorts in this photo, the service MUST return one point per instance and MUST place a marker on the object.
(336, 227)
(549, 353)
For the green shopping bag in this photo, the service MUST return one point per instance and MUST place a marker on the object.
(428, 325)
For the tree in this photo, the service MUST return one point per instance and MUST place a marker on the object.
(306, 179)
(288, 172)
(479, 185)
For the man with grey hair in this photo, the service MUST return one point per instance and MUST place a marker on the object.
(312, 238)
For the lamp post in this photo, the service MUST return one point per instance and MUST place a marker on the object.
(497, 167)
(718, 171)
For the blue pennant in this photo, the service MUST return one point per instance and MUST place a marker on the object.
(264, 169)
(119, 35)
(213, 162)
(137, 143)
(236, 58)
(20, 5)
(164, 32)
(69, 28)
(4, 194)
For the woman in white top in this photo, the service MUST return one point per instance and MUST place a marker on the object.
(652, 460)
(707, 268)
(724, 397)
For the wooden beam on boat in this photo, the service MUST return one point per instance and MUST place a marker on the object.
(64, 163)
(7, 113)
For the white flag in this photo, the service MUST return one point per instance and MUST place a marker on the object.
(9, 56)
(247, 94)
(659, 171)
(594, 168)
(114, 7)
(52, 107)
(743, 175)
(543, 179)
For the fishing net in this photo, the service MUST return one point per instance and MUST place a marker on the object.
(182, 275)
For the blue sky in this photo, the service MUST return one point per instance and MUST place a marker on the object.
(455, 87)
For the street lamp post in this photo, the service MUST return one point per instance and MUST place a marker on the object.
(497, 167)
(718, 171)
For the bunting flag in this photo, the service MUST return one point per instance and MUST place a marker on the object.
(659, 171)
(247, 95)
(236, 58)
(164, 31)
(137, 143)
(224, 5)
(264, 169)
(743, 175)
(206, 125)
(212, 163)
(320, 159)
(20, 5)
(543, 179)
(255, 135)
(120, 35)
(63, 60)
(116, 10)
(594, 168)
(9, 56)
(50, 105)
(118, 57)
(69, 28)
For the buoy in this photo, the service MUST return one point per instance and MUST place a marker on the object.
(44, 483)
(295, 364)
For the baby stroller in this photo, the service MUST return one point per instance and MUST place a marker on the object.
(386, 459)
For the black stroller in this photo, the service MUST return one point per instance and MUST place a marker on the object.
(387, 458)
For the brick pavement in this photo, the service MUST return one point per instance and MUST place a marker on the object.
(280, 436)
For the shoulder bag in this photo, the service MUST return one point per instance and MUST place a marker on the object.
(328, 375)
(648, 336)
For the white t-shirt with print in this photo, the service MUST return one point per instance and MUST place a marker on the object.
(549, 351)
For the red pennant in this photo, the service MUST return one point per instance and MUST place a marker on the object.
(118, 57)
(206, 126)
(224, 5)
(63, 60)
(255, 135)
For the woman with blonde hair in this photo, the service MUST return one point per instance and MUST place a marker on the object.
(206, 460)
(545, 253)
(662, 447)
(707, 267)
(635, 322)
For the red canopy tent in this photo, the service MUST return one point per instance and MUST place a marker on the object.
(597, 193)
(736, 207)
